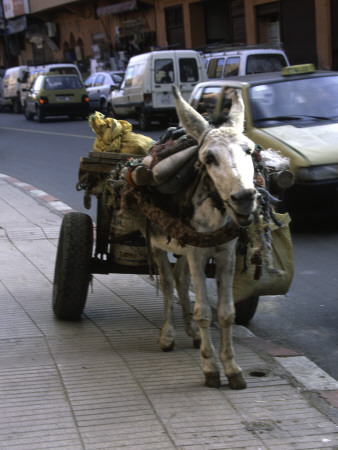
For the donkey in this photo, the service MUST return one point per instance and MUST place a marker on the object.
(224, 196)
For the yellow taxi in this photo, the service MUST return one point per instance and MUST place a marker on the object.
(295, 112)
(56, 95)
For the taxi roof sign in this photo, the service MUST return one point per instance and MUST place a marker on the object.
(300, 68)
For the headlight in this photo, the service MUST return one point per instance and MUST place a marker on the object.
(317, 173)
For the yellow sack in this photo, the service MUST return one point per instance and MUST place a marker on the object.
(271, 282)
(116, 136)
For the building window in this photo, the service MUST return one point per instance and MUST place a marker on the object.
(174, 26)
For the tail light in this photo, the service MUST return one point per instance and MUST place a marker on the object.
(148, 98)
(85, 99)
(43, 100)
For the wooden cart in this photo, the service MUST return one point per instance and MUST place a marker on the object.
(79, 255)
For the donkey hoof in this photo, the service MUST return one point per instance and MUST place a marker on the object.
(237, 381)
(168, 348)
(197, 343)
(212, 379)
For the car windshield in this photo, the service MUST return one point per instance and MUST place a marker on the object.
(62, 82)
(117, 79)
(313, 99)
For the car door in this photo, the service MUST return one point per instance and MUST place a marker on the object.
(33, 94)
(121, 97)
(189, 75)
(89, 85)
(92, 88)
(98, 90)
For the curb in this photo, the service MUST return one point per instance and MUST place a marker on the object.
(47, 200)
(320, 388)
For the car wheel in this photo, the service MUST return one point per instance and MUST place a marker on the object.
(164, 122)
(40, 115)
(144, 121)
(28, 115)
(103, 106)
(16, 107)
(245, 310)
(110, 111)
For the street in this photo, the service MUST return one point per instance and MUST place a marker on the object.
(47, 156)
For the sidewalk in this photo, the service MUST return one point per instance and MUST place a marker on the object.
(103, 383)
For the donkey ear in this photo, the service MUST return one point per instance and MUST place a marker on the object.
(236, 114)
(190, 119)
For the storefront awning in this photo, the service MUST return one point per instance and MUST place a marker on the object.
(118, 8)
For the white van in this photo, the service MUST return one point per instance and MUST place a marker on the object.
(12, 87)
(146, 92)
(220, 65)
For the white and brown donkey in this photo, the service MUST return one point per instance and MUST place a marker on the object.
(224, 196)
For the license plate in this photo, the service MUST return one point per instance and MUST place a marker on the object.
(63, 98)
(165, 99)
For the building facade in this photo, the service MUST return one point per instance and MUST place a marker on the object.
(101, 34)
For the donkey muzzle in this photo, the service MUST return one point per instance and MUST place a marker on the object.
(243, 204)
(244, 200)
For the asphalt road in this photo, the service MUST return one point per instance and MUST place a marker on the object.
(47, 156)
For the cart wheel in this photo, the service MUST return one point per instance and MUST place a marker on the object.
(72, 267)
(245, 310)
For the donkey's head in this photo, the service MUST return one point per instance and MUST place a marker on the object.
(226, 154)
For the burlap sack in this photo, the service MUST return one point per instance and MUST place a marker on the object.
(271, 282)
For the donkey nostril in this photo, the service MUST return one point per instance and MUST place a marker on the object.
(244, 195)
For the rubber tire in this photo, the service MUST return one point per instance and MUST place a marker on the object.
(103, 106)
(16, 107)
(72, 267)
(28, 115)
(110, 111)
(164, 123)
(40, 115)
(144, 121)
(245, 310)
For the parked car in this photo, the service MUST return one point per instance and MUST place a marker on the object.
(56, 95)
(99, 85)
(296, 113)
(231, 63)
(11, 87)
(146, 91)
(32, 72)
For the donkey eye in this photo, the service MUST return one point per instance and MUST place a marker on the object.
(210, 159)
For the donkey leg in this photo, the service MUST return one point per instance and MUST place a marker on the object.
(203, 316)
(182, 280)
(167, 334)
(226, 316)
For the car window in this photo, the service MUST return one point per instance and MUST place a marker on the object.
(164, 70)
(90, 80)
(129, 76)
(232, 66)
(302, 98)
(207, 101)
(99, 81)
(215, 68)
(62, 82)
(117, 79)
(63, 70)
(188, 70)
(38, 83)
(265, 63)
